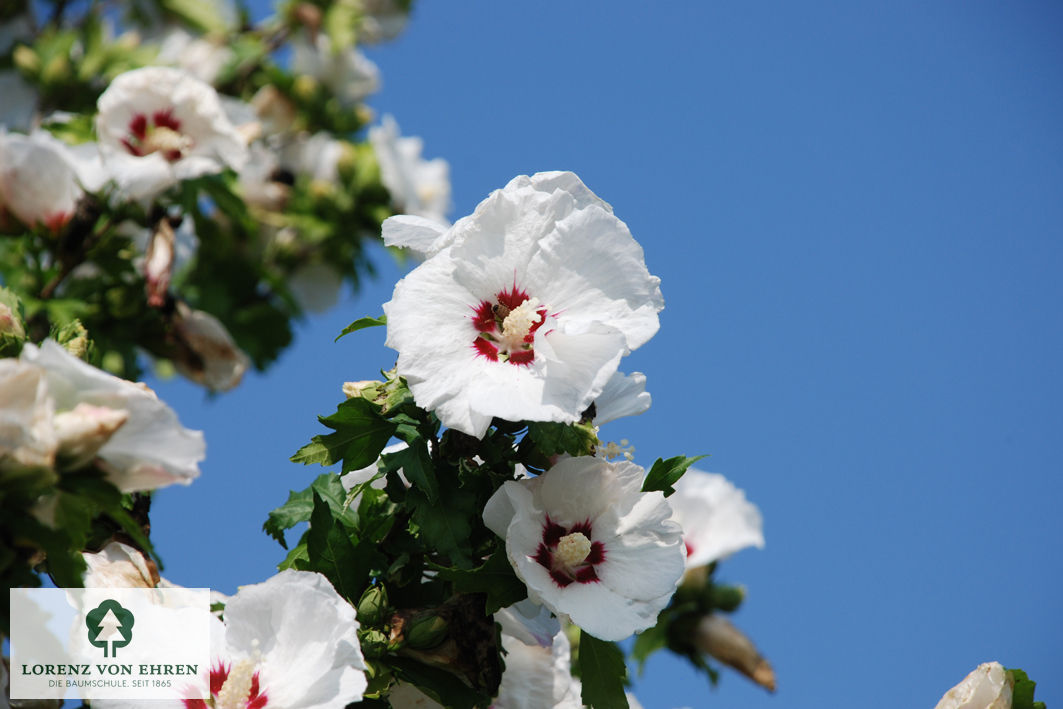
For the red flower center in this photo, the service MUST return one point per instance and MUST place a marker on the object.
(568, 554)
(506, 327)
(160, 133)
(256, 698)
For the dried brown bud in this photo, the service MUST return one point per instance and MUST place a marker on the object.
(718, 637)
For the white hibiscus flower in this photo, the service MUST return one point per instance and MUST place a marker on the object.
(38, 179)
(716, 517)
(589, 544)
(536, 675)
(418, 187)
(289, 642)
(159, 125)
(135, 437)
(987, 687)
(348, 74)
(316, 156)
(200, 57)
(526, 307)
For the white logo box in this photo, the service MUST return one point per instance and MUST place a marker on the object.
(110, 643)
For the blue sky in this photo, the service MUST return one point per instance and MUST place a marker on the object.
(855, 211)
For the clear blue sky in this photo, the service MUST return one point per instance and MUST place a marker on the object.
(856, 211)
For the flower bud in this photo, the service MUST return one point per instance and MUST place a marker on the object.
(718, 637)
(158, 262)
(373, 606)
(726, 598)
(426, 631)
(206, 352)
(74, 338)
(367, 388)
(988, 687)
(10, 323)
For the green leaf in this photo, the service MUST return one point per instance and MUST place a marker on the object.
(445, 525)
(439, 684)
(602, 671)
(554, 438)
(361, 324)
(495, 578)
(199, 14)
(360, 434)
(416, 465)
(331, 552)
(648, 642)
(666, 473)
(1022, 691)
(298, 558)
(300, 506)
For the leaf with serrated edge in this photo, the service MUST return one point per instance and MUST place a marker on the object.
(602, 672)
(331, 552)
(360, 434)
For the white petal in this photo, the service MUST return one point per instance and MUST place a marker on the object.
(537, 676)
(118, 565)
(623, 395)
(27, 434)
(307, 635)
(151, 449)
(529, 622)
(500, 509)
(418, 187)
(716, 518)
(412, 232)
(38, 182)
(579, 489)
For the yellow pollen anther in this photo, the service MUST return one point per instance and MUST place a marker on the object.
(611, 451)
(518, 323)
(166, 140)
(573, 548)
(237, 688)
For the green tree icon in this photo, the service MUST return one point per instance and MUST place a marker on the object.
(110, 623)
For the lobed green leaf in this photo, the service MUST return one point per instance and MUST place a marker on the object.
(360, 434)
(602, 672)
